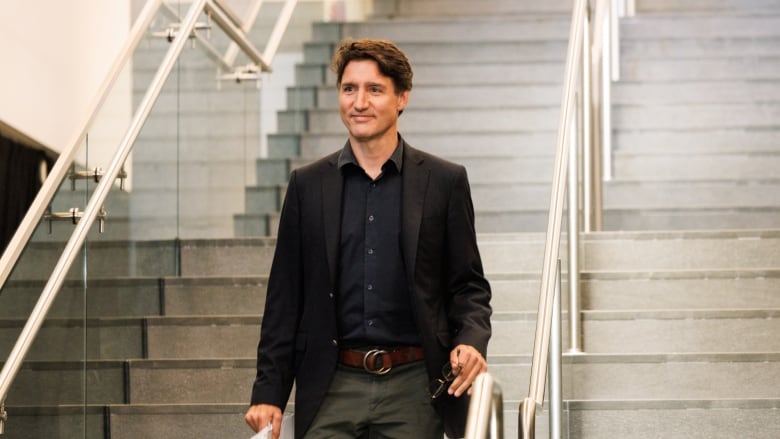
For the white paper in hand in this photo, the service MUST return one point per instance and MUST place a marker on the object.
(264, 433)
(288, 429)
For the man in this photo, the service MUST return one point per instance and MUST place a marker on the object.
(377, 284)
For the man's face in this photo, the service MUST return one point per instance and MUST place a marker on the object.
(367, 101)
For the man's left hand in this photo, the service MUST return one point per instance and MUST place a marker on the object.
(466, 363)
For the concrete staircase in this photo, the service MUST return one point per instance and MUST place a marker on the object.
(681, 300)
(486, 93)
(696, 118)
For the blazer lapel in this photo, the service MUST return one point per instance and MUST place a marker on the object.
(415, 183)
(331, 213)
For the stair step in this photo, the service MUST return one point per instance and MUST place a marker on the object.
(171, 338)
(688, 418)
(667, 376)
(696, 47)
(697, 117)
(186, 381)
(744, 67)
(696, 194)
(135, 297)
(213, 296)
(689, 331)
(725, 166)
(64, 339)
(106, 259)
(714, 25)
(699, 92)
(680, 289)
(113, 297)
(86, 421)
(686, 250)
(711, 140)
(708, 6)
(178, 421)
(68, 383)
(649, 332)
(680, 218)
(250, 256)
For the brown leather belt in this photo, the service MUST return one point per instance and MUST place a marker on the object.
(380, 361)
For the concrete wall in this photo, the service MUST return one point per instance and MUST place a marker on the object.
(54, 55)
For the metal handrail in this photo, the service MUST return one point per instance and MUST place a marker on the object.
(485, 417)
(544, 323)
(35, 213)
(555, 218)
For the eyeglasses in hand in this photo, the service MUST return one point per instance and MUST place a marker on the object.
(437, 386)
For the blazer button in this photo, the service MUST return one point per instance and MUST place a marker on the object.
(335, 343)
(331, 295)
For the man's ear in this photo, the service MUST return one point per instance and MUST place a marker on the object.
(403, 100)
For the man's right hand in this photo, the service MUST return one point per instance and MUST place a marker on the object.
(260, 415)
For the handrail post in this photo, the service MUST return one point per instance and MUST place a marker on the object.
(607, 75)
(614, 39)
(574, 228)
(591, 169)
(555, 374)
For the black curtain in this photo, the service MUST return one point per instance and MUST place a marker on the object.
(20, 180)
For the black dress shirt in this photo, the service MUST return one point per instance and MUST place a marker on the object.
(373, 301)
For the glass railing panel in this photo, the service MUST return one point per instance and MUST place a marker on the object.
(48, 398)
(197, 163)
(75, 366)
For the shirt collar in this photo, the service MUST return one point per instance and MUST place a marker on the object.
(347, 157)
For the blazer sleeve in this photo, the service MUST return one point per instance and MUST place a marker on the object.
(276, 349)
(469, 311)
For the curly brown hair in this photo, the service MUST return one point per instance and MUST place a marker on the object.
(391, 60)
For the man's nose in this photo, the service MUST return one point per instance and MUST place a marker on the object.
(361, 100)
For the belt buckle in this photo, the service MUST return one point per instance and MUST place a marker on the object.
(371, 357)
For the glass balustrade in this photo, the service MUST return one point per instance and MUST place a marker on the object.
(198, 172)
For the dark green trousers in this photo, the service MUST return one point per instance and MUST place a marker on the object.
(366, 406)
